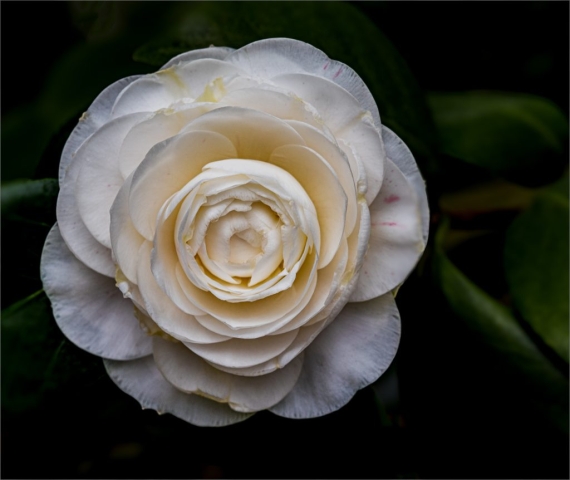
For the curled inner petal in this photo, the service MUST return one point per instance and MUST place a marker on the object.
(232, 232)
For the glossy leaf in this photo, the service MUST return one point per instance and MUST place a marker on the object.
(20, 194)
(497, 328)
(28, 212)
(510, 134)
(536, 262)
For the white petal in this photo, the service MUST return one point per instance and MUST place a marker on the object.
(126, 241)
(159, 90)
(396, 242)
(88, 307)
(254, 134)
(328, 282)
(197, 75)
(281, 104)
(357, 245)
(78, 239)
(218, 53)
(351, 353)
(274, 56)
(322, 185)
(339, 162)
(189, 373)
(99, 178)
(167, 168)
(156, 128)
(356, 167)
(164, 312)
(400, 154)
(98, 113)
(142, 380)
(221, 328)
(343, 114)
(306, 335)
(284, 185)
(148, 94)
(336, 106)
(282, 306)
(239, 353)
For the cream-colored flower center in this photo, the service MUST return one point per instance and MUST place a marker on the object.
(241, 240)
(246, 245)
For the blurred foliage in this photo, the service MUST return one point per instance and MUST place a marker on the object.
(42, 362)
(536, 262)
(28, 212)
(21, 195)
(479, 387)
(497, 327)
(486, 128)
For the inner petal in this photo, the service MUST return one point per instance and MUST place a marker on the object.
(245, 246)
(241, 236)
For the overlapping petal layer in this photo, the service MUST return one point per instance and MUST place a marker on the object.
(240, 199)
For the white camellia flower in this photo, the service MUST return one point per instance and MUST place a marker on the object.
(256, 218)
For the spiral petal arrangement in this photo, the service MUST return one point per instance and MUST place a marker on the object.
(230, 231)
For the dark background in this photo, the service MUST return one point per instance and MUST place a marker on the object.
(459, 414)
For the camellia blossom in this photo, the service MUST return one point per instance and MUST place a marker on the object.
(230, 232)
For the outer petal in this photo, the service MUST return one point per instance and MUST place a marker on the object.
(97, 114)
(78, 239)
(400, 154)
(142, 380)
(126, 241)
(396, 242)
(88, 308)
(219, 53)
(189, 373)
(99, 178)
(161, 89)
(275, 101)
(348, 355)
(274, 56)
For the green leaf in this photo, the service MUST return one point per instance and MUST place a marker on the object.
(29, 339)
(20, 194)
(536, 262)
(28, 212)
(337, 28)
(517, 135)
(37, 360)
(496, 327)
